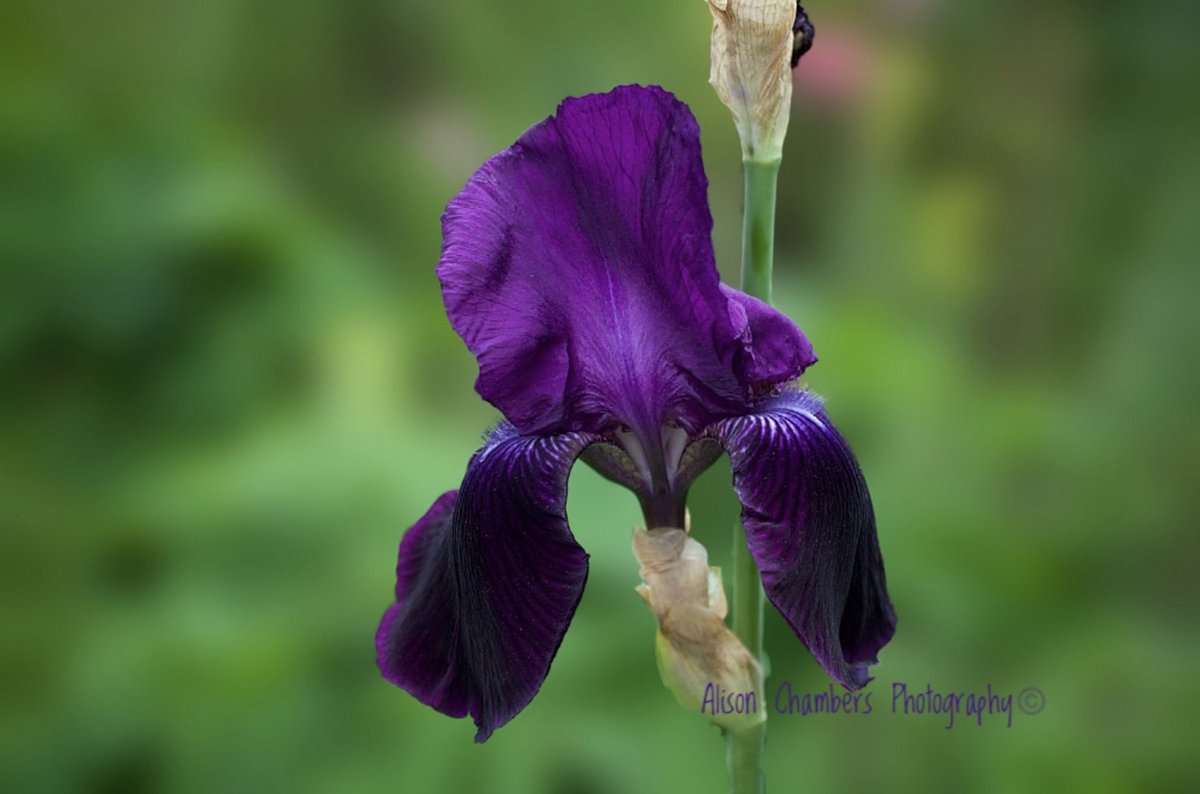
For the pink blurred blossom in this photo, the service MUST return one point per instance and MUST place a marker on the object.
(837, 70)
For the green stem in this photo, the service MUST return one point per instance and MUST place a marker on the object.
(758, 228)
(758, 246)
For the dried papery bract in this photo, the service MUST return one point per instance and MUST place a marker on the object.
(701, 661)
(751, 70)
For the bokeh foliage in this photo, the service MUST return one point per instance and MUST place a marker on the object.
(228, 387)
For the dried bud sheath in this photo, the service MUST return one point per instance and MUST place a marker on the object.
(702, 662)
(752, 43)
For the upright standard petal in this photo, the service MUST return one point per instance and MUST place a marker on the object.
(487, 582)
(775, 351)
(811, 529)
(577, 266)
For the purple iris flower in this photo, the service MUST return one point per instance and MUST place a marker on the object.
(578, 267)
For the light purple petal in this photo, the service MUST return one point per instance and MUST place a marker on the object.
(811, 529)
(577, 266)
(487, 582)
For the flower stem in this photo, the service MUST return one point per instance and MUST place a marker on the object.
(758, 227)
(758, 247)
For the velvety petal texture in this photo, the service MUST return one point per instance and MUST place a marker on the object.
(577, 266)
(487, 582)
(811, 529)
(774, 349)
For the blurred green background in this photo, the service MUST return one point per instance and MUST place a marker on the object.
(228, 387)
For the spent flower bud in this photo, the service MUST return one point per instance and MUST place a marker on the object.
(699, 658)
(752, 49)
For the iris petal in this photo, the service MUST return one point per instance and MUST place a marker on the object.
(577, 265)
(487, 582)
(811, 528)
(775, 350)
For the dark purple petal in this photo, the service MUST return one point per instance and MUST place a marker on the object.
(776, 351)
(811, 529)
(577, 266)
(487, 582)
